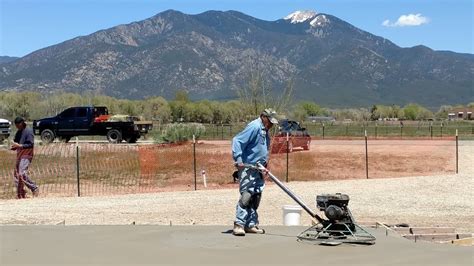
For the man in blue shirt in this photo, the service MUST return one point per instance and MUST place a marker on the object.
(249, 147)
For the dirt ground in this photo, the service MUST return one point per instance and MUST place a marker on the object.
(326, 160)
(121, 169)
(435, 200)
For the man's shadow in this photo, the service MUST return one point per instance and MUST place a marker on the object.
(229, 232)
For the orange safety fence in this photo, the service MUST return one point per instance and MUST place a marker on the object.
(110, 169)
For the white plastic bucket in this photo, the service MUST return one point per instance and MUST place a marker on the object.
(291, 215)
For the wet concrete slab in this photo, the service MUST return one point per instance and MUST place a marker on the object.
(208, 245)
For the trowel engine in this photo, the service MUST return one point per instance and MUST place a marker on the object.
(335, 208)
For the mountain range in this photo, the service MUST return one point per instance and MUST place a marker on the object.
(6, 59)
(213, 54)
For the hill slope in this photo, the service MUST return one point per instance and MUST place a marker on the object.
(212, 53)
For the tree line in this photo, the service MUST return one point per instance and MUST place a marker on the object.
(33, 105)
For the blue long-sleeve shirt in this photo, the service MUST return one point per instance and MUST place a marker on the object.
(251, 144)
(26, 138)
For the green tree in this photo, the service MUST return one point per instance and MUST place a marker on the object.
(361, 114)
(201, 112)
(181, 107)
(312, 109)
(20, 104)
(424, 114)
(414, 111)
(443, 111)
(410, 111)
(178, 109)
(235, 111)
(395, 111)
(111, 103)
(381, 112)
(373, 113)
(128, 107)
(299, 114)
(304, 109)
(157, 109)
(222, 113)
(182, 95)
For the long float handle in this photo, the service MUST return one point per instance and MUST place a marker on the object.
(292, 195)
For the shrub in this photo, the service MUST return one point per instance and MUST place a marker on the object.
(155, 135)
(174, 133)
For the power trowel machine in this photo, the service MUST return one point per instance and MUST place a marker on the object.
(338, 227)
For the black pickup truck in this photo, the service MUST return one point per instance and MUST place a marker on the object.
(91, 120)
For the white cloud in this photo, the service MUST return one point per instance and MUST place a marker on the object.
(407, 21)
(386, 23)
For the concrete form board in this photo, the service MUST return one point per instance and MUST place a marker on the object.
(437, 237)
(432, 230)
(462, 242)
(402, 230)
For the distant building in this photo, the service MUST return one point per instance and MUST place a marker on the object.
(463, 113)
(318, 119)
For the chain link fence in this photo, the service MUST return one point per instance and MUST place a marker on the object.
(356, 130)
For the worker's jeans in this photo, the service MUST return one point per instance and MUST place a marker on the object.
(251, 181)
(21, 178)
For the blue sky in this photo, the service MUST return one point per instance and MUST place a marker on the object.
(28, 25)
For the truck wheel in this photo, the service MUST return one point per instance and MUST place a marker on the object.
(47, 136)
(114, 136)
(132, 139)
(306, 147)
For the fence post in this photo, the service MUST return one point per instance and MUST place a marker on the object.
(457, 154)
(77, 168)
(287, 153)
(323, 130)
(204, 179)
(441, 130)
(375, 130)
(222, 131)
(431, 130)
(366, 156)
(194, 162)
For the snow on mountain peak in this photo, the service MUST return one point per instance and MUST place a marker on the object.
(319, 21)
(300, 16)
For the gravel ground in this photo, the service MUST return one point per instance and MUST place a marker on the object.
(419, 201)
